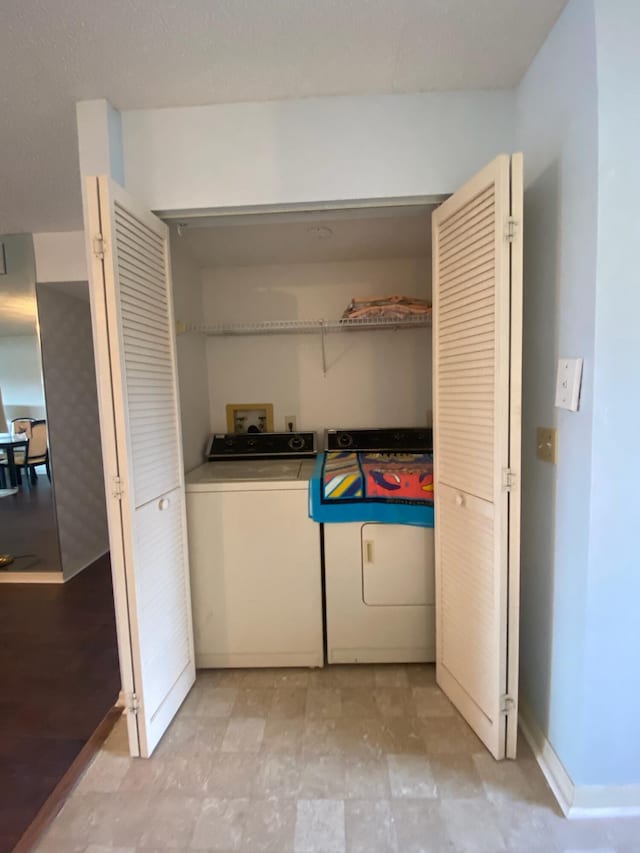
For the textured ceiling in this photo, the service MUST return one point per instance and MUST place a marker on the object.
(153, 53)
(303, 238)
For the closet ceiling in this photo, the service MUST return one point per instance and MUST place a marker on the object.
(311, 238)
(140, 53)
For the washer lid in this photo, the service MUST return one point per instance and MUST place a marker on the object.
(246, 471)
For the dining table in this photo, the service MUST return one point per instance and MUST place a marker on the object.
(9, 443)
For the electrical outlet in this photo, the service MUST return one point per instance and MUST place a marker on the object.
(290, 423)
(547, 444)
(568, 381)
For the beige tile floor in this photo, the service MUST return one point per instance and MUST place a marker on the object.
(360, 759)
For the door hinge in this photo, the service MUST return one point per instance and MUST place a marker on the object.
(117, 488)
(511, 231)
(507, 704)
(508, 479)
(98, 246)
(133, 704)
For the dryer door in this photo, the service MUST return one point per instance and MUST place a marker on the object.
(397, 565)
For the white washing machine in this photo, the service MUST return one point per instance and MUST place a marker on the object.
(256, 585)
(379, 577)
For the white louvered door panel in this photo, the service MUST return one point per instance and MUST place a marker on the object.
(139, 409)
(476, 416)
(148, 356)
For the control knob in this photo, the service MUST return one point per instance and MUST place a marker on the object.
(345, 439)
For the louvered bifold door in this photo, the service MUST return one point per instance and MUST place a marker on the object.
(139, 411)
(476, 418)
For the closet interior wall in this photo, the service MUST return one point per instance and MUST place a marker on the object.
(373, 379)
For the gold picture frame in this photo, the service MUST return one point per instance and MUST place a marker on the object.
(249, 417)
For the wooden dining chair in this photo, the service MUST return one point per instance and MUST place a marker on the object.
(18, 426)
(35, 454)
(19, 452)
(22, 425)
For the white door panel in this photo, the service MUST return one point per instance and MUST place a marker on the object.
(158, 548)
(139, 418)
(467, 643)
(476, 352)
(397, 565)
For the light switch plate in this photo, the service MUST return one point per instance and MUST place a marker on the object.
(547, 444)
(568, 383)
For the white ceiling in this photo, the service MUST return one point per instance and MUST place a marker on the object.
(302, 238)
(154, 53)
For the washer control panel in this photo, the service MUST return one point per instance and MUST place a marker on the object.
(261, 445)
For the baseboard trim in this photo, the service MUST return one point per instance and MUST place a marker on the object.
(57, 797)
(255, 660)
(576, 801)
(76, 571)
(31, 577)
(559, 780)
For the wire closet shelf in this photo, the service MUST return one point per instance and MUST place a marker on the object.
(302, 327)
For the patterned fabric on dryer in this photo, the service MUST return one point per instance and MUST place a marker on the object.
(392, 487)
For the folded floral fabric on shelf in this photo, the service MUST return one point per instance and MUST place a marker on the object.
(387, 307)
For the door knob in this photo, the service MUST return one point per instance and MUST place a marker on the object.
(459, 500)
(163, 504)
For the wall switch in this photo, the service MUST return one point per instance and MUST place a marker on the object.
(547, 444)
(568, 383)
(290, 423)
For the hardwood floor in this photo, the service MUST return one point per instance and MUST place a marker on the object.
(59, 676)
(28, 529)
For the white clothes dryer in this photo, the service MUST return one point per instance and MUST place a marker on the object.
(379, 577)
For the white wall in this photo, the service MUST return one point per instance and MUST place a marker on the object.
(21, 376)
(60, 256)
(374, 379)
(20, 366)
(191, 355)
(72, 420)
(580, 581)
(611, 703)
(557, 131)
(312, 150)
